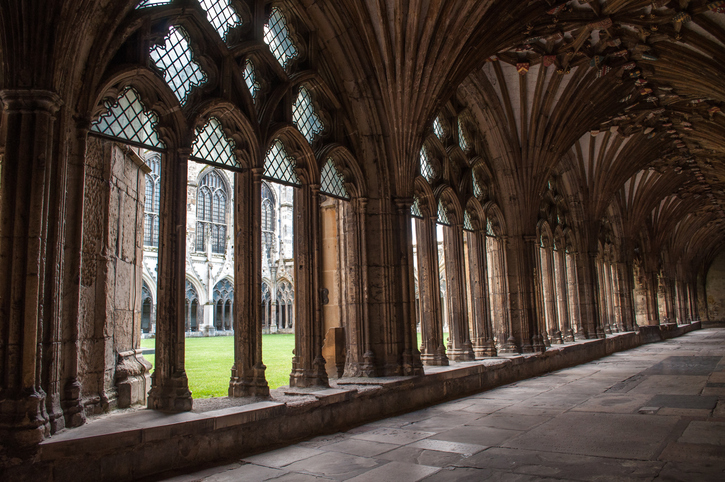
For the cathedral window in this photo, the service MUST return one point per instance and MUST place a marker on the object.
(277, 36)
(278, 166)
(221, 15)
(305, 117)
(212, 146)
(152, 202)
(477, 191)
(467, 225)
(268, 206)
(462, 137)
(415, 208)
(176, 59)
(250, 77)
(211, 206)
(332, 182)
(128, 120)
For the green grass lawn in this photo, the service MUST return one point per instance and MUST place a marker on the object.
(209, 362)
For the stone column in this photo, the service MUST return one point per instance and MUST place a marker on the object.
(522, 259)
(431, 319)
(483, 344)
(589, 295)
(461, 349)
(653, 316)
(29, 160)
(248, 373)
(574, 304)
(308, 365)
(549, 292)
(169, 384)
(562, 296)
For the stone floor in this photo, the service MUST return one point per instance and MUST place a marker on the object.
(653, 413)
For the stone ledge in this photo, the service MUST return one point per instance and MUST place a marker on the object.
(127, 446)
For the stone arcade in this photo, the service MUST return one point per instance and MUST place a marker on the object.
(523, 175)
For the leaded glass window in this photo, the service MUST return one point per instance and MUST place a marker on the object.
(438, 128)
(332, 181)
(305, 117)
(211, 210)
(443, 214)
(128, 120)
(415, 208)
(277, 36)
(152, 3)
(268, 205)
(467, 225)
(211, 145)
(176, 59)
(489, 228)
(477, 192)
(221, 15)
(278, 166)
(250, 77)
(152, 202)
(426, 169)
(462, 137)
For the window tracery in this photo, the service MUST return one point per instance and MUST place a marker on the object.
(426, 169)
(213, 146)
(308, 122)
(415, 208)
(443, 214)
(221, 15)
(128, 120)
(223, 302)
(332, 182)
(191, 301)
(268, 210)
(176, 59)
(277, 37)
(438, 128)
(278, 166)
(250, 77)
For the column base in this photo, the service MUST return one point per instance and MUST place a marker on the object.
(173, 396)
(72, 406)
(314, 377)
(412, 364)
(538, 345)
(461, 354)
(509, 347)
(569, 336)
(485, 349)
(434, 359)
(23, 421)
(254, 385)
(556, 338)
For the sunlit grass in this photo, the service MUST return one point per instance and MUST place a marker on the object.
(209, 361)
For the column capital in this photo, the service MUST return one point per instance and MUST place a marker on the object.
(29, 100)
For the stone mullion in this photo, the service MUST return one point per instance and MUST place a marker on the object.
(431, 321)
(574, 304)
(538, 319)
(29, 124)
(248, 372)
(607, 295)
(170, 385)
(522, 253)
(627, 291)
(562, 295)
(550, 296)
(483, 345)
(461, 349)
(308, 365)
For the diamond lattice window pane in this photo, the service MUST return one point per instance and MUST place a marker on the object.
(221, 15)
(467, 225)
(277, 36)
(151, 3)
(278, 166)
(489, 228)
(426, 170)
(176, 59)
(211, 145)
(443, 214)
(476, 186)
(305, 117)
(250, 77)
(415, 208)
(332, 181)
(128, 120)
(438, 128)
(462, 138)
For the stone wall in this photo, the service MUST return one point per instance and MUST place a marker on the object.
(110, 311)
(715, 289)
